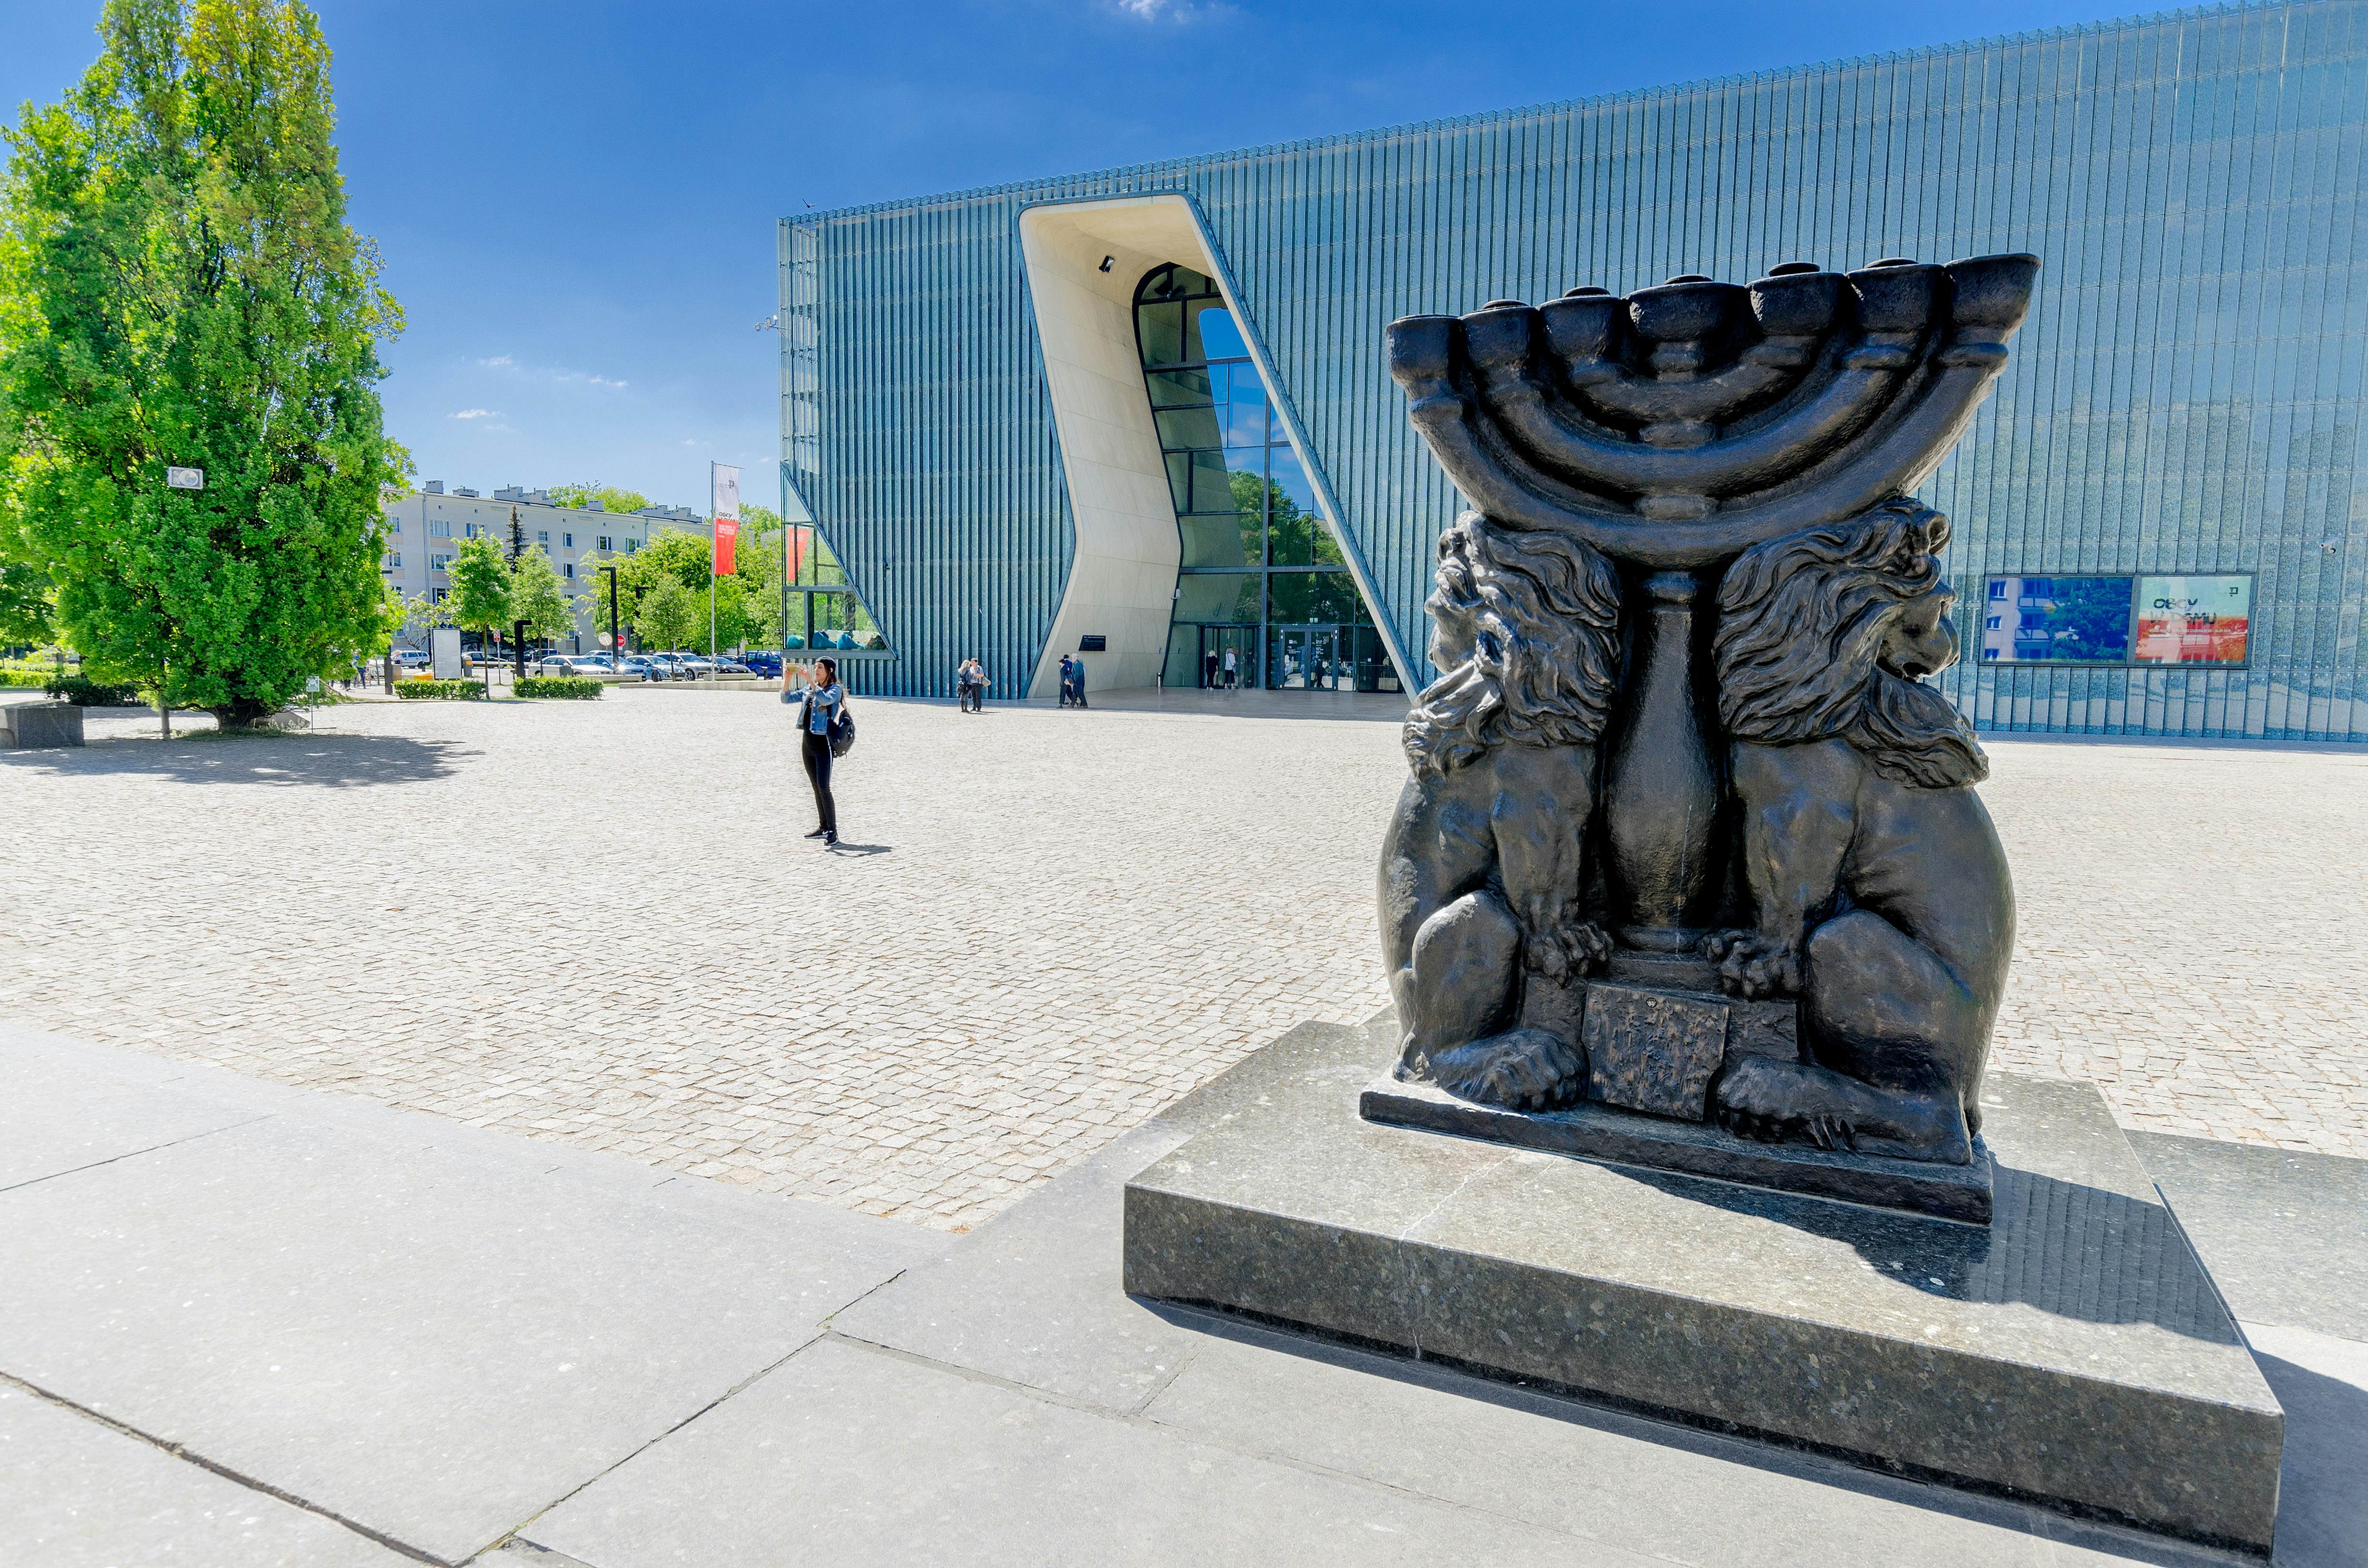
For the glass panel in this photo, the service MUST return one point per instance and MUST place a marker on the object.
(2060, 620)
(1161, 329)
(1210, 332)
(1321, 597)
(1244, 407)
(1296, 530)
(1218, 597)
(838, 623)
(1218, 538)
(1172, 388)
(2193, 620)
(1211, 490)
(1180, 480)
(1182, 428)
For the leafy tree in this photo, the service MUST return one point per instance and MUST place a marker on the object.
(539, 597)
(608, 495)
(481, 590)
(667, 615)
(178, 285)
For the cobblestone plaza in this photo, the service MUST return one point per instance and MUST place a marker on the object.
(598, 924)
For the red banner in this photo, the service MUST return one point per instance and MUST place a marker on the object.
(727, 532)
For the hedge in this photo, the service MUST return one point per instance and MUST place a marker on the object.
(558, 685)
(84, 692)
(26, 677)
(453, 690)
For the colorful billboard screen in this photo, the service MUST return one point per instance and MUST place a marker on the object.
(2193, 620)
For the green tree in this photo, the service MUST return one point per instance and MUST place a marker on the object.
(480, 592)
(585, 492)
(667, 615)
(539, 597)
(178, 285)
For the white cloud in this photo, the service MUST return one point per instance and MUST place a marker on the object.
(1156, 11)
(605, 382)
(476, 413)
(498, 362)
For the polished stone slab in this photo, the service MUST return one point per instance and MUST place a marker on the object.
(848, 1455)
(2286, 1231)
(2074, 1354)
(1960, 1193)
(433, 1331)
(74, 1493)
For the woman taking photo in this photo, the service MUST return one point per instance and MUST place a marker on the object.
(826, 708)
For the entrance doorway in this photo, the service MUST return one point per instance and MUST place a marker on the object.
(1305, 658)
(1222, 646)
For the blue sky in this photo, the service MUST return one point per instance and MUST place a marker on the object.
(576, 201)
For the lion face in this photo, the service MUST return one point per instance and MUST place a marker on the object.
(1920, 641)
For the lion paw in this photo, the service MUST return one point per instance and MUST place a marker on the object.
(1527, 1069)
(1563, 949)
(1753, 966)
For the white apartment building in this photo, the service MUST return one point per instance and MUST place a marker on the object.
(425, 526)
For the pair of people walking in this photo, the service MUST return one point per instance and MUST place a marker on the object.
(971, 684)
(1073, 681)
(825, 732)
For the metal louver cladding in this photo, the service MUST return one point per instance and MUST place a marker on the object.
(2186, 398)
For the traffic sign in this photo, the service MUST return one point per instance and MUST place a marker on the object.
(184, 478)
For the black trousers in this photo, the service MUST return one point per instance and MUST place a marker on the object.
(817, 754)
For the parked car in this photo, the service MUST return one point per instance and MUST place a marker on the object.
(662, 666)
(559, 665)
(694, 664)
(411, 659)
(639, 665)
(728, 665)
(763, 665)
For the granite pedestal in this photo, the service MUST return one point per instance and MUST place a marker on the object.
(2073, 1353)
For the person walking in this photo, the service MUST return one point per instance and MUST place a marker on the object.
(826, 705)
(978, 685)
(1209, 669)
(966, 682)
(1232, 670)
(1068, 679)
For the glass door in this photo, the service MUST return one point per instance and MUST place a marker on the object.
(1228, 658)
(1305, 658)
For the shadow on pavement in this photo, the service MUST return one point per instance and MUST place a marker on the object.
(332, 762)
(859, 848)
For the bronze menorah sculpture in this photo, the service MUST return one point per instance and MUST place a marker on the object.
(1760, 831)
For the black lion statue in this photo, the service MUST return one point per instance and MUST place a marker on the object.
(1483, 870)
(1878, 884)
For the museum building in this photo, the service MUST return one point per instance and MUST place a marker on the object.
(1143, 417)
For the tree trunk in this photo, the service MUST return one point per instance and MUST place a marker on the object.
(241, 713)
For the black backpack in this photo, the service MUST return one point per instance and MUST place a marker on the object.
(842, 724)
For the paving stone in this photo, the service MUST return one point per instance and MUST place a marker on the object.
(598, 924)
(850, 1455)
(74, 1493)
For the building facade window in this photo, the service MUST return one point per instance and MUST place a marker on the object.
(567, 541)
(602, 543)
(631, 545)
(569, 570)
(1264, 596)
(393, 561)
(542, 536)
(439, 563)
(439, 529)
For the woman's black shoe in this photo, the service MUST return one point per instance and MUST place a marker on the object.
(818, 833)
(829, 838)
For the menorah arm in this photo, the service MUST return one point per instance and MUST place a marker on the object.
(1608, 387)
(1758, 459)
(1901, 458)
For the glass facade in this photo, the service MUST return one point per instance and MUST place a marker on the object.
(1264, 596)
(2187, 403)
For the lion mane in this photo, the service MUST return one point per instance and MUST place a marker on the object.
(1801, 619)
(1541, 615)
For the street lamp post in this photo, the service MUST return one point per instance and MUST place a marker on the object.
(616, 627)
